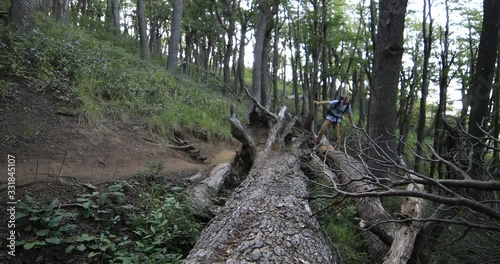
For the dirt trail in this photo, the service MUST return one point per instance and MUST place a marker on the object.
(48, 144)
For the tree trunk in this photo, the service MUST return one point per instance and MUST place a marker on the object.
(22, 13)
(266, 11)
(240, 70)
(427, 37)
(481, 87)
(267, 219)
(387, 64)
(112, 17)
(61, 10)
(175, 36)
(370, 209)
(141, 16)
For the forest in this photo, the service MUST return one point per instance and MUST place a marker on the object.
(415, 180)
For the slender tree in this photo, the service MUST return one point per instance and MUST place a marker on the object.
(61, 10)
(112, 16)
(446, 62)
(240, 69)
(495, 168)
(267, 9)
(143, 38)
(175, 36)
(427, 39)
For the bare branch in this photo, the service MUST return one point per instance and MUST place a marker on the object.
(256, 102)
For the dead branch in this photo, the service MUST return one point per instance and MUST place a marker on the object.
(272, 116)
(203, 195)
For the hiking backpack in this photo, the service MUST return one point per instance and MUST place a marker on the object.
(330, 110)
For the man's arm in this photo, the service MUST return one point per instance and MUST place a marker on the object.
(321, 102)
(351, 120)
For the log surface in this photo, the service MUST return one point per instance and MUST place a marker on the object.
(266, 220)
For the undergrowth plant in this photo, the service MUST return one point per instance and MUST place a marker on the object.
(120, 223)
(337, 221)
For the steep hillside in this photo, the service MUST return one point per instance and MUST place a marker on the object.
(49, 139)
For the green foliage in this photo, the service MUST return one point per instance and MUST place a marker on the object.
(46, 220)
(106, 207)
(154, 169)
(346, 239)
(165, 224)
(111, 81)
(392, 204)
(158, 228)
(462, 245)
(4, 5)
(339, 226)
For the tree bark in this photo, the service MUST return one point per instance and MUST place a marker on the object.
(370, 209)
(267, 219)
(22, 13)
(61, 10)
(203, 195)
(141, 16)
(175, 36)
(481, 87)
(406, 233)
(387, 64)
(427, 38)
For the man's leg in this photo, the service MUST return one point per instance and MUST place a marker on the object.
(336, 129)
(323, 129)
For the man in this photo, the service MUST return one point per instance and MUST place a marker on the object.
(334, 116)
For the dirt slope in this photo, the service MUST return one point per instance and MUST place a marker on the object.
(49, 144)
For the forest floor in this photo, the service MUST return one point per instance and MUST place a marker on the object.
(56, 153)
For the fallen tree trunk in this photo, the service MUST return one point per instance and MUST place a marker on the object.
(267, 219)
(392, 241)
(350, 174)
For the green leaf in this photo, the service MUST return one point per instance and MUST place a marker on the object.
(81, 247)
(69, 248)
(90, 186)
(105, 247)
(85, 238)
(85, 205)
(55, 221)
(115, 188)
(31, 245)
(93, 246)
(67, 228)
(53, 240)
(55, 203)
(93, 254)
(21, 214)
(82, 200)
(28, 246)
(86, 214)
(42, 232)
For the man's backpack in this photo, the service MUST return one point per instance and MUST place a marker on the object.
(330, 110)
